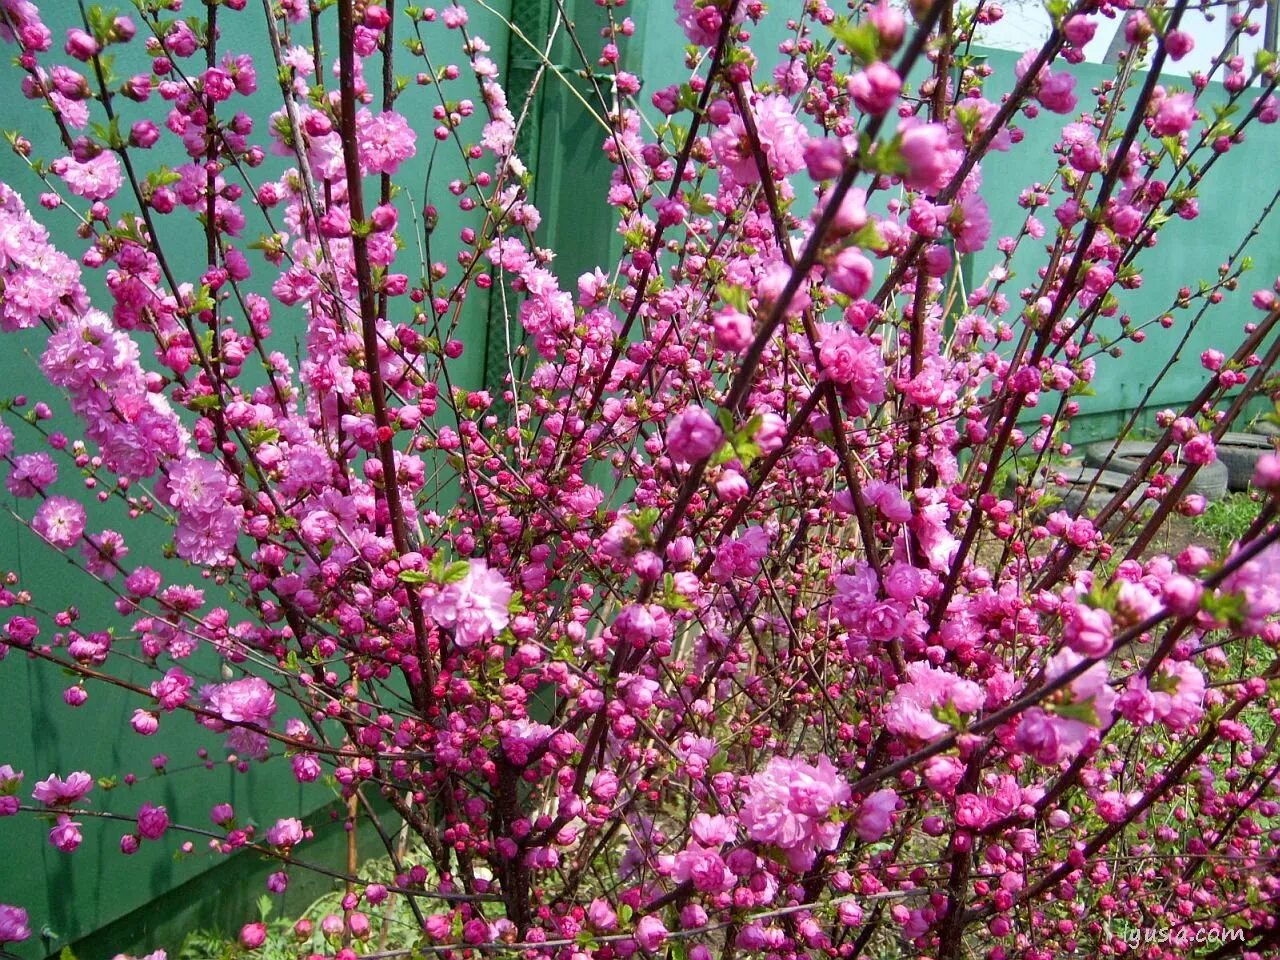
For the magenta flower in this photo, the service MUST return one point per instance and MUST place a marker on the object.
(910, 713)
(55, 792)
(1073, 717)
(60, 521)
(791, 804)
(65, 834)
(875, 815)
(782, 137)
(1174, 115)
(14, 927)
(476, 607)
(651, 933)
(250, 700)
(287, 832)
(253, 935)
(927, 154)
(693, 435)
(875, 90)
(386, 140)
(741, 556)
(703, 867)
(32, 473)
(1177, 694)
(99, 178)
(152, 822)
(854, 362)
(1089, 631)
(1257, 581)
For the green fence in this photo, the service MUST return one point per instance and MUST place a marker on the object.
(103, 902)
(96, 899)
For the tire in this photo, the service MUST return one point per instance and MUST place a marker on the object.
(1265, 428)
(1240, 453)
(1106, 484)
(1209, 482)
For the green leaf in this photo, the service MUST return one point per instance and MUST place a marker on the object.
(260, 435)
(456, 572)
(861, 39)
(735, 297)
(414, 576)
(869, 237)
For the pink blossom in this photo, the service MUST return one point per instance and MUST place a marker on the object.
(31, 474)
(910, 712)
(1079, 30)
(1113, 806)
(253, 935)
(14, 927)
(287, 832)
(970, 224)
(1089, 631)
(741, 556)
(701, 21)
(1179, 43)
(782, 138)
(385, 140)
(850, 272)
(601, 916)
(144, 722)
(1257, 581)
(475, 607)
(926, 153)
(55, 792)
(65, 834)
(171, 690)
(520, 738)
(1055, 91)
(1174, 115)
(703, 867)
(790, 806)
(693, 435)
(1177, 694)
(1072, 717)
(152, 822)
(875, 815)
(854, 362)
(875, 89)
(250, 700)
(651, 933)
(1266, 473)
(60, 521)
(97, 179)
(1199, 450)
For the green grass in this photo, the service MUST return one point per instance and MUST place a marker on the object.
(1228, 519)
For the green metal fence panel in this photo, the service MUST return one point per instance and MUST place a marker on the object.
(96, 898)
(1188, 252)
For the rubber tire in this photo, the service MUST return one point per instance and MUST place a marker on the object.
(1209, 482)
(1240, 453)
(1265, 428)
(1105, 486)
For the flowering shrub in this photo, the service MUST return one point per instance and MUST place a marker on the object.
(745, 614)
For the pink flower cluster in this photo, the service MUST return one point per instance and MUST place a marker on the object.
(792, 805)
